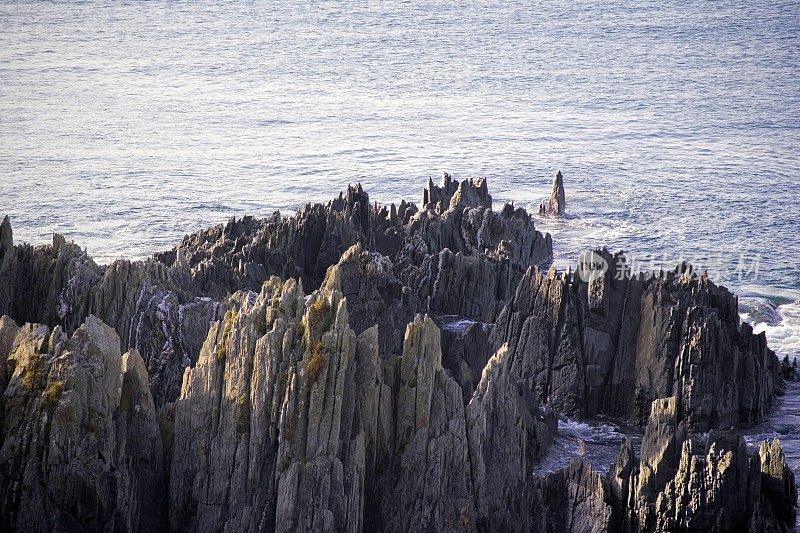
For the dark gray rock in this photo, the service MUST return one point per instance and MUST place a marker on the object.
(375, 296)
(465, 351)
(253, 407)
(162, 307)
(614, 344)
(507, 432)
(681, 485)
(575, 498)
(80, 443)
(556, 204)
(453, 194)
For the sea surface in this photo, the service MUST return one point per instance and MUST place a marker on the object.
(676, 125)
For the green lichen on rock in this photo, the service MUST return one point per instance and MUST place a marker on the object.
(35, 373)
(222, 346)
(51, 393)
(315, 361)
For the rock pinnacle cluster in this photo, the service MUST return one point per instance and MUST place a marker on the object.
(364, 367)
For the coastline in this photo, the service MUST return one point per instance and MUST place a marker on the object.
(219, 329)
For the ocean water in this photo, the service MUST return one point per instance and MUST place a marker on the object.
(676, 125)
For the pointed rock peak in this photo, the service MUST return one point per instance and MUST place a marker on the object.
(557, 202)
(471, 193)
(423, 341)
(352, 253)
(6, 234)
(58, 241)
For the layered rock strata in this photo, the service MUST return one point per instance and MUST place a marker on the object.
(613, 344)
(679, 482)
(80, 447)
(415, 388)
(162, 306)
(291, 421)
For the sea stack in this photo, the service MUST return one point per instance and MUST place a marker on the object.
(557, 201)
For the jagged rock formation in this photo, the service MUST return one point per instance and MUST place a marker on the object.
(679, 485)
(508, 433)
(147, 303)
(290, 421)
(556, 203)
(445, 284)
(375, 296)
(465, 285)
(280, 448)
(47, 284)
(386, 400)
(575, 499)
(465, 351)
(616, 343)
(310, 428)
(162, 307)
(452, 194)
(81, 448)
(423, 482)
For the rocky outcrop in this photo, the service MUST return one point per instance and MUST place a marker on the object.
(423, 480)
(465, 351)
(152, 313)
(48, 284)
(152, 308)
(453, 194)
(576, 498)
(162, 307)
(509, 234)
(225, 420)
(80, 443)
(471, 286)
(383, 401)
(291, 421)
(271, 418)
(381, 294)
(679, 484)
(7, 266)
(376, 297)
(556, 204)
(507, 432)
(8, 333)
(614, 344)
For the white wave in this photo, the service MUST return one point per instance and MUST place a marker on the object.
(594, 432)
(783, 335)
